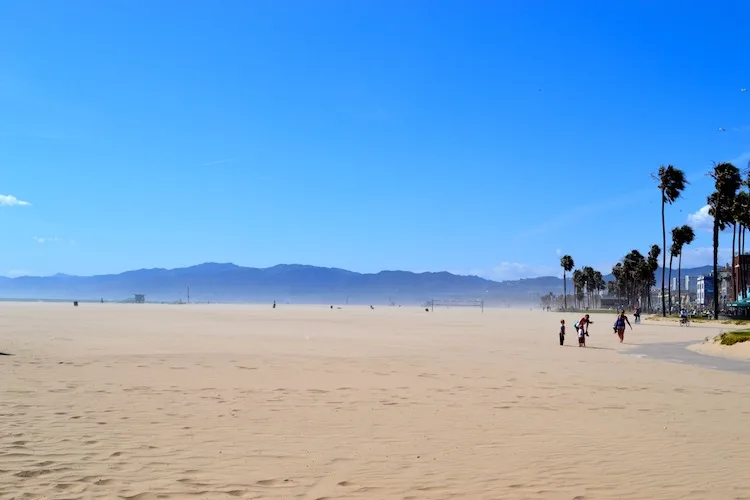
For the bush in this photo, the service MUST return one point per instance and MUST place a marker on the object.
(731, 338)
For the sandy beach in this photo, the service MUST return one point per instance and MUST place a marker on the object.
(712, 348)
(304, 402)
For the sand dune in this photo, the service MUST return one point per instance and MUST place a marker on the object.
(147, 402)
(712, 348)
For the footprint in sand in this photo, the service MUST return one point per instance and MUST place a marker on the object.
(274, 483)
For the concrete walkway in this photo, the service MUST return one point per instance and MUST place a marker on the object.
(677, 353)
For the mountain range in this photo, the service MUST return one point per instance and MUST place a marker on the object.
(287, 283)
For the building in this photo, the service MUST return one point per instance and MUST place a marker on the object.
(725, 286)
(689, 284)
(704, 293)
(674, 283)
(741, 262)
(611, 302)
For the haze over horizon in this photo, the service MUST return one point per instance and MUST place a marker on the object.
(363, 136)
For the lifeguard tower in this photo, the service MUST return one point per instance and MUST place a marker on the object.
(139, 298)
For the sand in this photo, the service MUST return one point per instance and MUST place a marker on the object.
(710, 347)
(149, 401)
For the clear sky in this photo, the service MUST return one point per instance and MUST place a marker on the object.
(481, 137)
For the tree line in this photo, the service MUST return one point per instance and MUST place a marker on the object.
(635, 274)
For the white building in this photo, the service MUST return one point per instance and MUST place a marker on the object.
(704, 290)
(690, 283)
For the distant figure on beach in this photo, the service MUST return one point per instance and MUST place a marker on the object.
(371, 307)
(331, 307)
(637, 314)
(684, 320)
(620, 323)
(562, 332)
(75, 303)
(274, 305)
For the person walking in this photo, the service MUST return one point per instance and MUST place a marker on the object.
(620, 323)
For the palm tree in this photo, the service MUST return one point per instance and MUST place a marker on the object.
(741, 213)
(599, 285)
(619, 284)
(671, 184)
(653, 262)
(588, 281)
(566, 262)
(673, 252)
(685, 236)
(579, 283)
(635, 275)
(727, 181)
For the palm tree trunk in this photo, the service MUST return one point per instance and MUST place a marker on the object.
(670, 282)
(716, 262)
(741, 279)
(734, 237)
(742, 262)
(679, 276)
(663, 255)
(565, 291)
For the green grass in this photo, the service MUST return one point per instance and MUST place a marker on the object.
(589, 311)
(731, 338)
(699, 319)
(736, 321)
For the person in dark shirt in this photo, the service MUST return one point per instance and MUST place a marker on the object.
(562, 332)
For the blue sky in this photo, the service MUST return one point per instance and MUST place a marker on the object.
(477, 137)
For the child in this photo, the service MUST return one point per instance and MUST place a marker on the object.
(582, 334)
(562, 332)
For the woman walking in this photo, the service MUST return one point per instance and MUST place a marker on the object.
(620, 323)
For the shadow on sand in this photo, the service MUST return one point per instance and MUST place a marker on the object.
(5, 354)
(590, 347)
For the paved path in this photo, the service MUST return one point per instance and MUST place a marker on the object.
(677, 353)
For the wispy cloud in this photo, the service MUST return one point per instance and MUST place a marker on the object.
(573, 216)
(517, 270)
(8, 200)
(741, 161)
(703, 256)
(15, 273)
(43, 240)
(218, 162)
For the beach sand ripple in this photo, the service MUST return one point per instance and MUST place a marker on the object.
(167, 402)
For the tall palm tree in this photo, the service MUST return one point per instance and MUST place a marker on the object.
(579, 283)
(653, 262)
(672, 183)
(566, 262)
(619, 274)
(673, 252)
(727, 181)
(685, 236)
(741, 213)
(599, 285)
(589, 280)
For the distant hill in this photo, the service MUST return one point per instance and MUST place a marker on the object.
(285, 283)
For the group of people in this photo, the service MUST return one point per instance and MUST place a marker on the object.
(582, 328)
